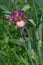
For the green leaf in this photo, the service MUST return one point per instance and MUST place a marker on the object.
(24, 61)
(35, 57)
(6, 12)
(40, 30)
(26, 7)
(6, 39)
(25, 1)
(32, 22)
(40, 3)
(39, 52)
(3, 7)
(15, 41)
(17, 56)
(12, 1)
(30, 50)
(35, 11)
(42, 45)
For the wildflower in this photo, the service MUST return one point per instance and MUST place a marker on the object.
(16, 15)
(19, 18)
(20, 24)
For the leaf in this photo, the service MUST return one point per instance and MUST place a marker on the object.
(26, 7)
(15, 41)
(35, 11)
(12, 1)
(6, 16)
(24, 61)
(42, 45)
(17, 56)
(6, 39)
(40, 30)
(29, 50)
(34, 56)
(3, 7)
(32, 22)
(6, 12)
(39, 52)
(25, 1)
(40, 3)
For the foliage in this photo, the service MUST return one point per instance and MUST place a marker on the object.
(14, 51)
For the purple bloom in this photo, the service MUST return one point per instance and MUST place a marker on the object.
(20, 20)
(21, 13)
(16, 15)
(15, 11)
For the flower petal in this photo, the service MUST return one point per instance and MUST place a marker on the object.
(21, 13)
(20, 24)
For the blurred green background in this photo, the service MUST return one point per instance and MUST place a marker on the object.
(14, 51)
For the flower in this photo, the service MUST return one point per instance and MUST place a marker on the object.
(20, 24)
(18, 17)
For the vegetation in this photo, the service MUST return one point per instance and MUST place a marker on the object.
(15, 47)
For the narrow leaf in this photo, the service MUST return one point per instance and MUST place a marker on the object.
(26, 7)
(24, 61)
(32, 22)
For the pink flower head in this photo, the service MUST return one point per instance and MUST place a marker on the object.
(18, 17)
(20, 20)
